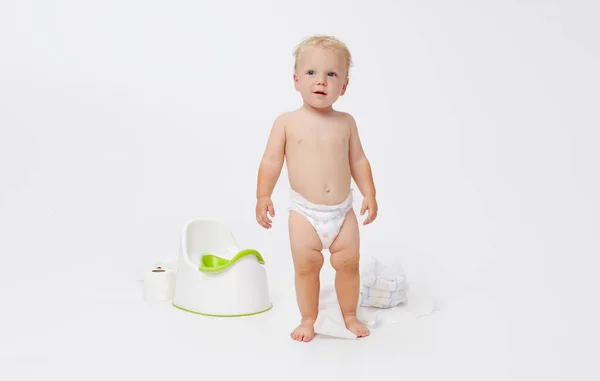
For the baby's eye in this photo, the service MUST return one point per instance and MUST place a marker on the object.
(310, 72)
(332, 74)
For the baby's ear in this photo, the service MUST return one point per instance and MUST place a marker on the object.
(345, 86)
(296, 81)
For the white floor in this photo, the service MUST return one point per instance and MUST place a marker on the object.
(75, 312)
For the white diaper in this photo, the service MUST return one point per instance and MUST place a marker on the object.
(382, 285)
(326, 219)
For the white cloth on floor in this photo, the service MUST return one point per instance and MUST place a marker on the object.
(331, 323)
(382, 286)
(398, 308)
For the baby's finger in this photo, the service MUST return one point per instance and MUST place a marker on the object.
(265, 217)
(363, 209)
(263, 223)
(271, 210)
(372, 215)
(369, 218)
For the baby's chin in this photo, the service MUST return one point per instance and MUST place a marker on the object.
(319, 103)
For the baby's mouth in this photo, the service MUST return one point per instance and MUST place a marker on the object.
(320, 93)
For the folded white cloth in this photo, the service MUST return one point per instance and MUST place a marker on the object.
(382, 277)
(382, 286)
(385, 283)
(381, 299)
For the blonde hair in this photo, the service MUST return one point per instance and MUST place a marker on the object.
(325, 42)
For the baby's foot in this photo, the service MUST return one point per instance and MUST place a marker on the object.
(305, 331)
(356, 327)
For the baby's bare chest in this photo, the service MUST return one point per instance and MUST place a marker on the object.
(332, 136)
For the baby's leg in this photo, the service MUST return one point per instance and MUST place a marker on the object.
(345, 260)
(308, 261)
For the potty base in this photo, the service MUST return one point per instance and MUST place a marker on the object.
(214, 315)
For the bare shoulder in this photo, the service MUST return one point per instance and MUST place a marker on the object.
(290, 120)
(282, 118)
(348, 120)
(345, 116)
(287, 118)
(281, 122)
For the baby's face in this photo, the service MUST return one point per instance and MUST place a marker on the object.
(321, 76)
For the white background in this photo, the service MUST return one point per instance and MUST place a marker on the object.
(121, 120)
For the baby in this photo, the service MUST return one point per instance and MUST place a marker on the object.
(323, 153)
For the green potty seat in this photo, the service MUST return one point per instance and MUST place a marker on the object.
(213, 263)
(223, 280)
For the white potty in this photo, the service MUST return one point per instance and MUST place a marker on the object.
(214, 277)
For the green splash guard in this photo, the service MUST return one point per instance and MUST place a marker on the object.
(213, 263)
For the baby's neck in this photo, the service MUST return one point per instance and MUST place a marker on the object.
(320, 111)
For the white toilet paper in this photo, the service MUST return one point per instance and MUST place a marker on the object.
(159, 285)
(170, 264)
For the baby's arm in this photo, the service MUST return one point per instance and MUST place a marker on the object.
(269, 171)
(361, 172)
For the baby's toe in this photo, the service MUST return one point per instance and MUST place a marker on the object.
(297, 335)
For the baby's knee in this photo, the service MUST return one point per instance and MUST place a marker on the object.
(309, 265)
(344, 262)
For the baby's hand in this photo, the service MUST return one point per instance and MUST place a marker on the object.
(370, 204)
(264, 205)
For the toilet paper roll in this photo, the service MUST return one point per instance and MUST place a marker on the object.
(159, 285)
(170, 264)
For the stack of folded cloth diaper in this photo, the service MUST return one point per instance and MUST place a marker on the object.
(382, 286)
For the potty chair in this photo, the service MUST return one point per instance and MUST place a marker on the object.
(215, 277)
